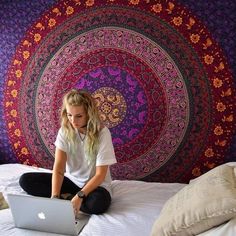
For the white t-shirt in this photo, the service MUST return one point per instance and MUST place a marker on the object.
(78, 168)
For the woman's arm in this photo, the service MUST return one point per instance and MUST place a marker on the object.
(92, 184)
(96, 180)
(58, 172)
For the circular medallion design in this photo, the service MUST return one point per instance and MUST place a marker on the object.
(158, 86)
(111, 104)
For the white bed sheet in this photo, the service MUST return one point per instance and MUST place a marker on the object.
(134, 208)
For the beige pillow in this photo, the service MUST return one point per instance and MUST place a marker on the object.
(207, 201)
(3, 203)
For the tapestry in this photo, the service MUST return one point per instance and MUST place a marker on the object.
(162, 74)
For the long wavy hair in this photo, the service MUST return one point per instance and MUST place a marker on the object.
(77, 97)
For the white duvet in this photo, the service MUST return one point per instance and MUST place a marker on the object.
(134, 208)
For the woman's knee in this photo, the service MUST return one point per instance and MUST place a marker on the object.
(97, 202)
(24, 179)
(36, 183)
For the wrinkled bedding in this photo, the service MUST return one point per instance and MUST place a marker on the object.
(134, 208)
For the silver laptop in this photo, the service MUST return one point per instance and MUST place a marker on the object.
(45, 214)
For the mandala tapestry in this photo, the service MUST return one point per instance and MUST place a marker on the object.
(161, 76)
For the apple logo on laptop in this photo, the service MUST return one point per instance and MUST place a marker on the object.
(41, 216)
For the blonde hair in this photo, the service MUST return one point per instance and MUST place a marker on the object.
(77, 97)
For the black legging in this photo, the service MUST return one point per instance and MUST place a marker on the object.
(39, 184)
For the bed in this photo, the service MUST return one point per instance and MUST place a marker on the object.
(134, 211)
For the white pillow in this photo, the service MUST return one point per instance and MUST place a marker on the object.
(207, 201)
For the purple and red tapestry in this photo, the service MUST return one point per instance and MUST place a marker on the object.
(162, 73)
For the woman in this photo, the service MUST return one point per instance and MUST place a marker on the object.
(84, 152)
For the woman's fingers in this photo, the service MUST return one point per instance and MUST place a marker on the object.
(76, 203)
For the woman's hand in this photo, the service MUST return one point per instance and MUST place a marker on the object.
(76, 203)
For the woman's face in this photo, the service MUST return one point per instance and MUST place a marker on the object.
(77, 117)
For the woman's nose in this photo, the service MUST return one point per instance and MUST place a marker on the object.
(72, 118)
